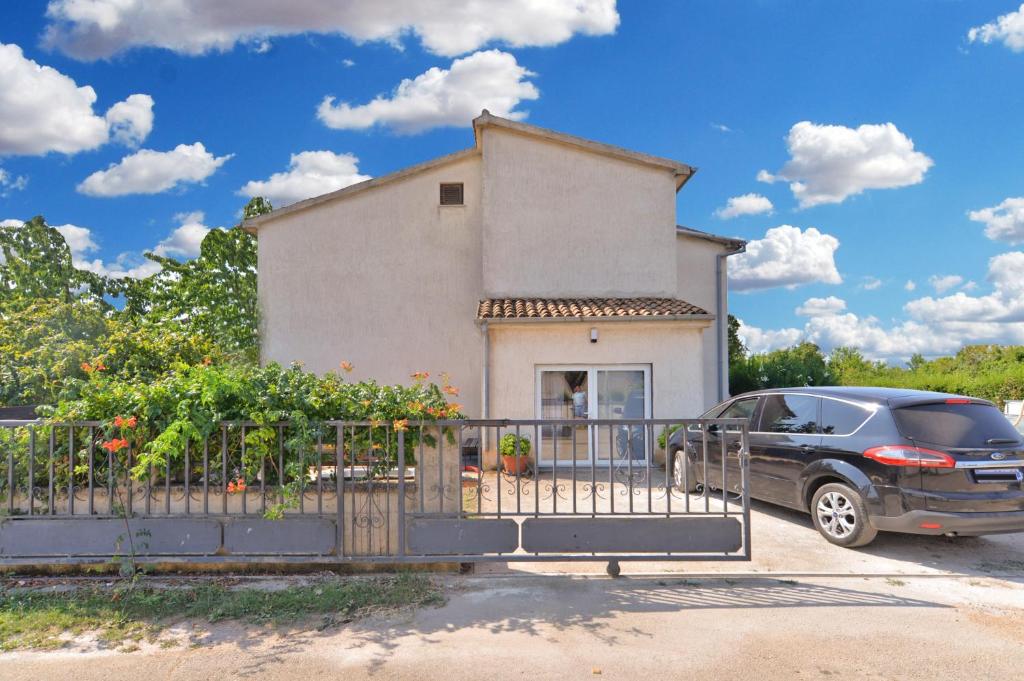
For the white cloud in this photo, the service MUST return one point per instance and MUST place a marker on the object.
(1007, 29)
(818, 307)
(79, 240)
(347, 63)
(131, 121)
(942, 283)
(786, 256)
(829, 163)
(1004, 222)
(490, 80)
(721, 127)
(10, 183)
(151, 172)
(910, 285)
(760, 340)
(310, 173)
(42, 110)
(932, 326)
(871, 284)
(745, 204)
(92, 29)
(185, 240)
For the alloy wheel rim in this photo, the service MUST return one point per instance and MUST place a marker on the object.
(678, 472)
(836, 515)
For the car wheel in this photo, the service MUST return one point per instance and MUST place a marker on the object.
(684, 482)
(840, 515)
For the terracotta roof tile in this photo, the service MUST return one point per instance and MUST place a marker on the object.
(542, 308)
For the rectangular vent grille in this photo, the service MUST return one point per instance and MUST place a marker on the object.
(451, 194)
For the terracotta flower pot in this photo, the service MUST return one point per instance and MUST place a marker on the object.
(515, 464)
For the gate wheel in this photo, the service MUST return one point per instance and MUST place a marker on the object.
(613, 568)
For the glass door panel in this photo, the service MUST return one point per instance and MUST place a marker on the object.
(564, 396)
(622, 394)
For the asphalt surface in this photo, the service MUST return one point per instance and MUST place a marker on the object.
(902, 608)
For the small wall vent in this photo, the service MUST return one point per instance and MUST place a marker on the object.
(451, 194)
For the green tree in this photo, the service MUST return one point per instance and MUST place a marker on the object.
(213, 295)
(36, 264)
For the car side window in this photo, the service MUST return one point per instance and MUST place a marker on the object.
(740, 409)
(789, 414)
(841, 418)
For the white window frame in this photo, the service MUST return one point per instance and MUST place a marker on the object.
(591, 370)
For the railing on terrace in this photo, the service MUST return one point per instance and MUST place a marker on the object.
(371, 492)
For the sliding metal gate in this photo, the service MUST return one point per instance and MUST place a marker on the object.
(381, 492)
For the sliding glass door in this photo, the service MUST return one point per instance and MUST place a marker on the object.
(576, 393)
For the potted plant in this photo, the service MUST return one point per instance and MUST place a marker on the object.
(512, 461)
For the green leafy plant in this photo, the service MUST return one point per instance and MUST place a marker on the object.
(507, 445)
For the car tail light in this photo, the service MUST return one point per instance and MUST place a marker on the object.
(905, 455)
(958, 400)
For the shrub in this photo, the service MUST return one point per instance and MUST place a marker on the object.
(507, 445)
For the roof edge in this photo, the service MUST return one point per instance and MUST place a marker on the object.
(252, 224)
(737, 245)
(682, 170)
(593, 320)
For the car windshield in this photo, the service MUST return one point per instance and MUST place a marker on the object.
(956, 425)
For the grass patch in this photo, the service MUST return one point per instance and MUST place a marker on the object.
(45, 620)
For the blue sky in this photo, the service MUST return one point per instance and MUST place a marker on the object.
(717, 85)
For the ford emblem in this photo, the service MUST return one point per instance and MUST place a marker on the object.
(998, 456)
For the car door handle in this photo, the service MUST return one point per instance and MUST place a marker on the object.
(808, 449)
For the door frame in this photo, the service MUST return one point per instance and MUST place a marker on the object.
(591, 370)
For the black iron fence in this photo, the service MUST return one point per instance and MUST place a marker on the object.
(508, 490)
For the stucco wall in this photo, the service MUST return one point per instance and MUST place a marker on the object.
(559, 221)
(673, 349)
(695, 259)
(386, 279)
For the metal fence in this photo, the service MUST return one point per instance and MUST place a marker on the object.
(571, 489)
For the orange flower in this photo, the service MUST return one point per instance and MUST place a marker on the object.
(118, 421)
(231, 487)
(376, 422)
(130, 422)
(366, 403)
(115, 445)
(346, 366)
(240, 484)
(451, 390)
(86, 367)
(400, 425)
(377, 445)
(454, 408)
(420, 375)
(415, 407)
(207, 361)
(434, 411)
(99, 366)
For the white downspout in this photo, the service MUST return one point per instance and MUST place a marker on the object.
(723, 324)
(485, 401)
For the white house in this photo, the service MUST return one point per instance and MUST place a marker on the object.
(544, 273)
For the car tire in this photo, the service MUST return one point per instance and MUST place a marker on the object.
(840, 515)
(680, 463)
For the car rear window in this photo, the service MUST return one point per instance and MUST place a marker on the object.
(955, 425)
(789, 414)
(841, 418)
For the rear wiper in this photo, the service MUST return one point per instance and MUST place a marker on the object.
(1001, 441)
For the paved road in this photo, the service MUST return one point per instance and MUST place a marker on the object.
(575, 628)
(903, 608)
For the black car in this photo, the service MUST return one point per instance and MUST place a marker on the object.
(862, 460)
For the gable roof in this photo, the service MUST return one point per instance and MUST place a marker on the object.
(683, 172)
(587, 308)
(735, 245)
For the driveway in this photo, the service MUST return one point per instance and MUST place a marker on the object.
(631, 628)
(903, 608)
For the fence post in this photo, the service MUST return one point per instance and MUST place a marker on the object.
(401, 491)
